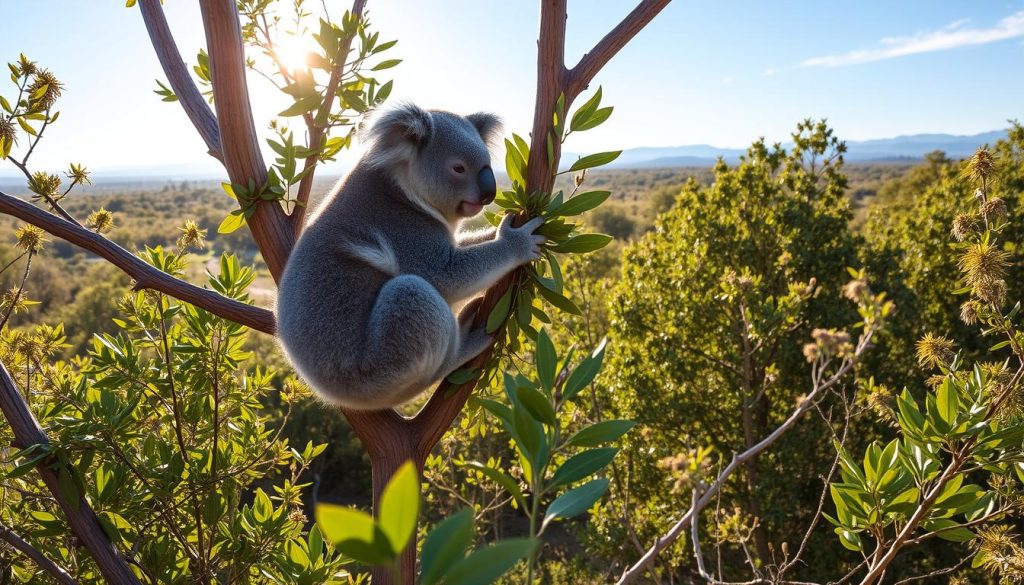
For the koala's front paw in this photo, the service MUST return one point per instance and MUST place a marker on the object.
(526, 245)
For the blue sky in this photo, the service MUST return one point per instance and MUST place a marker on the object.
(720, 73)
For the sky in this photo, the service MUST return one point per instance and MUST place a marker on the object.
(721, 73)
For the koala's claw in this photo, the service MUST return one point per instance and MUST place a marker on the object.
(523, 236)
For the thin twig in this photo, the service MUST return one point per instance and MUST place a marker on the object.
(41, 561)
(145, 276)
(820, 386)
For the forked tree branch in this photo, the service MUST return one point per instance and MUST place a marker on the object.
(79, 515)
(270, 227)
(41, 561)
(552, 78)
(145, 275)
(318, 128)
(195, 106)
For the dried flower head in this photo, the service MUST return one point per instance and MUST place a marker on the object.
(8, 135)
(964, 226)
(811, 351)
(856, 290)
(30, 238)
(192, 236)
(14, 301)
(831, 342)
(991, 291)
(969, 312)
(45, 184)
(980, 166)
(26, 67)
(984, 261)
(882, 401)
(44, 90)
(78, 174)
(100, 221)
(994, 208)
(1001, 553)
(934, 350)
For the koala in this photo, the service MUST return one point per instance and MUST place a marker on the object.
(364, 308)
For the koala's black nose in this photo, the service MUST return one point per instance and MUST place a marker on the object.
(488, 186)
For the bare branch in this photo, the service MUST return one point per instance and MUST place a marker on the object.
(318, 129)
(242, 157)
(145, 275)
(606, 48)
(79, 515)
(20, 544)
(195, 106)
(820, 386)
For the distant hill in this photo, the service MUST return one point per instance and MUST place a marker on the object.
(901, 149)
(898, 149)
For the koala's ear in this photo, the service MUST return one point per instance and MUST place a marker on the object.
(397, 133)
(487, 124)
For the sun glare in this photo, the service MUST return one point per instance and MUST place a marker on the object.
(294, 51)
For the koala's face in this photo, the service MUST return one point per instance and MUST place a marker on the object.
(439, 159)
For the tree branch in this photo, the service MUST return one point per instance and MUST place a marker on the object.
(584, 71)
(20, 544)
(820, 386)
(318, 129)
(195, 106)
(79, 515)
(145, 275)
(244, 162)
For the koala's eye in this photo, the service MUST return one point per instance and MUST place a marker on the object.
(458, 168)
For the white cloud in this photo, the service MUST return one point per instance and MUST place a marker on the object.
(950, 36)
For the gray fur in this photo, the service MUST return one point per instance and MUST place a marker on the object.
(364, 309)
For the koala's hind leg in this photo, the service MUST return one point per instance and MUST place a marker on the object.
(411, 336)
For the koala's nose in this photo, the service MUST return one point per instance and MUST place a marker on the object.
(488, 186)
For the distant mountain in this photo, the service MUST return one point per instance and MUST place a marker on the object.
(898, 149)
(906, 149)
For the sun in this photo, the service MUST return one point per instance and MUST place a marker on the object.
(294, 52)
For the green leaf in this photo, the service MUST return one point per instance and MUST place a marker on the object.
(583, 464)
(594, 160)
(301, 106)
(950, 530)
(546, 361)
(559, 301)
(500, 312)
(445, 545)
(584, 373)
(6, 105)
(338, 524)
(232, 222)
(575, 501)
(596, 119)
(399, 506)
(585, 111)
(583, 243)
(947, 399)
(581, 203)
(463, 376)
(850, 540)
(24, 126)
(599, 433)
(537, 404)
(487, 564)
(387, 64)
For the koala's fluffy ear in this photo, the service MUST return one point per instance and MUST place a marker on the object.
(397, 133)
(487, 124)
